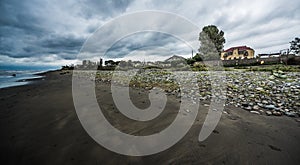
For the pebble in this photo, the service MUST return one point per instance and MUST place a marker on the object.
(269, 113)
(275, 113)
(259, 89)
(265, 102)
(290, 114)
(252, 91)
(260, 104)
(270, 107)
(248, 108)
(244, 104)
(255, 112)
(255, 107)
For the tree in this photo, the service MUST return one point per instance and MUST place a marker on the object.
(211, 42)
(295, 45)
(197, 57)
(109, 63)
(190, 61)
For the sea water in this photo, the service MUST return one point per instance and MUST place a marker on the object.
(13, 76)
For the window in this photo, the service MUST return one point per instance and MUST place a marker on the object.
(225, 55)
(242, 51)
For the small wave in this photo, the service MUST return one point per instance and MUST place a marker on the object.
(4, 76)
(8, 80)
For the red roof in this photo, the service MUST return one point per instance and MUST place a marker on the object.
(238, 47)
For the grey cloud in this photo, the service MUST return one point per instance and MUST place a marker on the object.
(143, 41)
(62, 42)
(15, 15)
(57, 29)
(92, 8)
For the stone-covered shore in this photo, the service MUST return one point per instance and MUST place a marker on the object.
(257, 92)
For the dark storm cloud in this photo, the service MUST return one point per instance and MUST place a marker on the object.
(142, 41)
(40, 28)
(62, 42)
(17, 15)
(45, 30)
(104, 8)
(19, 30)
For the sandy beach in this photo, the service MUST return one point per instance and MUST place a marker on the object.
(39, 125)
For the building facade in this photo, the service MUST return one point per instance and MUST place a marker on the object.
(239, 52)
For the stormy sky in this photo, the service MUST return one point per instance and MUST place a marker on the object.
(52, 32)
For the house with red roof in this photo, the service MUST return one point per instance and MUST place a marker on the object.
(239, 52)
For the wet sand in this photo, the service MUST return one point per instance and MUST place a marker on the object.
(39, 125)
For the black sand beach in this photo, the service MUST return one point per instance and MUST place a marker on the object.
(39, 125)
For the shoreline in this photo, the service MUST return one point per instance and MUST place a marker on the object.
(39, 125)
(28, 81)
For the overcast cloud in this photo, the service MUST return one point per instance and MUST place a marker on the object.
(51, 32)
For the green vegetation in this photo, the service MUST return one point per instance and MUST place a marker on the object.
(211, 42)
(211, 45)
(270, 68)
(66, 67)
(199, 67)
(295, 45)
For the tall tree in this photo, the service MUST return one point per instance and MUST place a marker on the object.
(211, 42)
(295, 45)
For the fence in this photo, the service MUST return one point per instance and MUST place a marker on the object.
(283, 59)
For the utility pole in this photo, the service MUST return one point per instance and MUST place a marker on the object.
(192, 53)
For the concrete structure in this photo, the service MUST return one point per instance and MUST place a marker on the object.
(269, 55)
(289, 59)
(239, 52)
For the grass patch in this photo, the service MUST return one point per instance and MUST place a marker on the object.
(269, 68)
